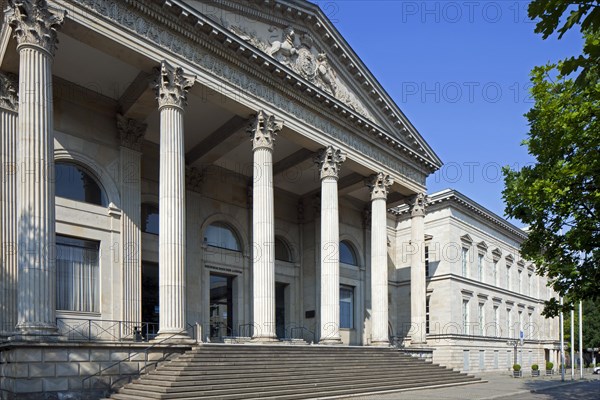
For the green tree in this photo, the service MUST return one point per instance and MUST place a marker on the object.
(591, 325)
(558, 196)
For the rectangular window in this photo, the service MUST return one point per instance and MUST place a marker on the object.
(480, 267)
(427, 315)
(465, 257)
(508, 277)
(529, 282)
(465, 315)
(496, 321)
(495, 273)
(427, 261)
(77, 273)
(481, 319)
(346, 307)
(508, 322)
(530, 327)
(520, 324)
(520, 287)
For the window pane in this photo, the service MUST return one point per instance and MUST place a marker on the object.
(282, 252)
(346, 307)
(220, 235)
(347, 255)
(77, 274)
(75, 183)
(150, 218)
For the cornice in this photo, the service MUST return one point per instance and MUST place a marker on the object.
(215, 33)
(452, 197)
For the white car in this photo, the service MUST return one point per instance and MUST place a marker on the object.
(596, 370)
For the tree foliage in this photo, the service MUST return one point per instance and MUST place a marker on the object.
(558, 196)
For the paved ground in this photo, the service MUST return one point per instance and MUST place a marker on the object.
(504, 387)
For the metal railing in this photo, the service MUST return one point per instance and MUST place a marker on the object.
(189, 331)
(301, 332)
(97, 330)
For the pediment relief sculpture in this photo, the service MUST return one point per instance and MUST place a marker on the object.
(300, 53)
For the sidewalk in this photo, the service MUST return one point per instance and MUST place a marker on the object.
(498, 385)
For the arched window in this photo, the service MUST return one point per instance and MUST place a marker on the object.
(150, 218)
(347, 253)
(282, 250)
(219, 234)
(76, 183)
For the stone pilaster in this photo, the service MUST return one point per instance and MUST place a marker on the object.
(379, 184)
(171, 88)
(8, 203)
(263, 131)
(329, 161)
(131, 134)
(417, 269)
(35, 26)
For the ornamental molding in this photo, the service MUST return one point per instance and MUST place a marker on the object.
(329, 161)
(300, 53)
(379, 184)
(131, 132)
(194, 178)
(263, 129)
(34, 23)
(172, 86)
(9, 97)
(417, 205)
(150, 24)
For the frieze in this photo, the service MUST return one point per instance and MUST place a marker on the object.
(129, 18)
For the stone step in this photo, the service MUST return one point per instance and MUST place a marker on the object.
(306, 389)
(233, 380)
(228, 372)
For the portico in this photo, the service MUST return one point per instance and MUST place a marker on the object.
(270, 162)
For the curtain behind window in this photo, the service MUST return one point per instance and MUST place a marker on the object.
(77, 274)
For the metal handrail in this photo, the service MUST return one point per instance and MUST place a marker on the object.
(128, 358)
(81, 329)
(302, 329)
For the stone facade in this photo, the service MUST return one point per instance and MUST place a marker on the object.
(476, 306)
(228, 165)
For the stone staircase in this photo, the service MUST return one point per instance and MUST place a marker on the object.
(221, 371)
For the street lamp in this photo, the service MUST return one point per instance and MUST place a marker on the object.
(514, 343)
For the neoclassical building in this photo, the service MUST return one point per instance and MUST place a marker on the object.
(208, 170)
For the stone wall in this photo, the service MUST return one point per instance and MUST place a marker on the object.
(58, 370)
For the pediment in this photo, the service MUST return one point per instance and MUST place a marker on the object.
(466, 238)
(298, 36)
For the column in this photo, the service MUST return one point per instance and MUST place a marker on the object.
(9, 105)
(131, 134)
(417, 269)
(329, 161)
(379, 185)
(263, 131)
(35, 25)
(172, 87)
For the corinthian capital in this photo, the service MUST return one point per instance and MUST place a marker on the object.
(417, 205)
(35, 23)
(131, 132)
(329, 161)
(379, 184)
(172, 85)
(263, 130)
(9, 98)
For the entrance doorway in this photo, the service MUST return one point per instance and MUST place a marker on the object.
(280, 289)
(150, 300)
(221, 306)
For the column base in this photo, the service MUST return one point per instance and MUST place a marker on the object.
(36, 333)
(173, 338)
(264, 339)
(331, 342)
(380, 343)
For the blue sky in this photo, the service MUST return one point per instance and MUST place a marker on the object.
(459, 70)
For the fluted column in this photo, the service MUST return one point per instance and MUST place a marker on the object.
(172, 86)
(8, 203)
(34, 25)
(131, 134)
(379, 185)
(417, 269)
(329, 161)
(263, 131)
